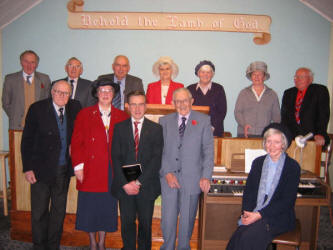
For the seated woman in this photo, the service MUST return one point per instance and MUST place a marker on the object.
(208, 93)
(257, 105)
(161, 92)
(270, 194)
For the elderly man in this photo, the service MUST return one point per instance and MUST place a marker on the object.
(23, 88)
(128, 83)
(137, 141)
(187, 165)
(81, 88)
(305, 107)
(46, 163)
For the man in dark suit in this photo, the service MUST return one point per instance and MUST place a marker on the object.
(46, 163)
(137, 141)
(128, 83)
(23, 88)
(81, 88)
(306, 108)
(187, 166)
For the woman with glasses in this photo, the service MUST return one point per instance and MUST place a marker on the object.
(91, 157)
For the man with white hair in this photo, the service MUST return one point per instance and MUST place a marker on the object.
(306, 107)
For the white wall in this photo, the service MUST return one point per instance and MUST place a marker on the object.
(300, 37)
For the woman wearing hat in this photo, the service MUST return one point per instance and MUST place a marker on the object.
(90, 152)
(208, 93)
(257, 105)
(160, 92)
(270, 194)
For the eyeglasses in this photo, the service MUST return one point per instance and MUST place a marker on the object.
(134, 105)
(185, 101)
(105, 91)
(61, 93)
(74, 66)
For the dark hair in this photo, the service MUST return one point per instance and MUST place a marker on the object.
(29, 52)
(135, 93)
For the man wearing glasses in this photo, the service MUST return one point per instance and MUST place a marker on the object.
(137, 141)
(23, 88)
(81, 88)
(46, 162)
(187, 166)
(306, 108)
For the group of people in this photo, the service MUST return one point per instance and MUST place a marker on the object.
(78, 127)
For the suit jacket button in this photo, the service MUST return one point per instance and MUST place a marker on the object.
(92, 157)
(176, 159)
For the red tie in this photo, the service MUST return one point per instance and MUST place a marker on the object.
(136, 139)
(298, 105)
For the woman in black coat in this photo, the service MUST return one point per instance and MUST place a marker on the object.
(270, 194)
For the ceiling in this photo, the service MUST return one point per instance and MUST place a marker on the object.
(10, 10)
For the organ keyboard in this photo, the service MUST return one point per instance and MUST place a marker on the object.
(233, 185)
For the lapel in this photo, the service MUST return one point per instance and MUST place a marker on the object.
(97, 121)
(20, 88)
(306, 100)
(50, 116)
(38, 86)
(143, 133)
(189, 127)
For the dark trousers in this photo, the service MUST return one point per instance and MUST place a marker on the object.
(47, 219)
(131, 207)
(255, 236)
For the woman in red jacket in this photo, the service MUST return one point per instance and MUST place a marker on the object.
(91, 157)
(161, 92)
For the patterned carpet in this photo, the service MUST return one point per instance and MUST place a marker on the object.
(325, 241)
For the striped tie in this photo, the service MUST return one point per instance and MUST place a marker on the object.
(28, 79)
(117, 99)
(182, 127)
(72, 85)
(61, 115)
(298, 105)
(136, 139)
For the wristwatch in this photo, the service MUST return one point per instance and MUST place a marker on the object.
(137, 182)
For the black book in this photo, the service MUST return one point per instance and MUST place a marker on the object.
(132, 172)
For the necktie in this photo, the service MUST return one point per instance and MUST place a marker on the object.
(182, 127)
(28, 79)
(136, 138)
(61, 116)
(298, 105)
(72, 85)
(117, 98)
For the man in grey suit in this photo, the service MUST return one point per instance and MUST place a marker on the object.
(128, 83)
(81, 87)
(23, 88)
(187, 165)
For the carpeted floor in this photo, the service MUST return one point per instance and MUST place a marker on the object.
(325, 241)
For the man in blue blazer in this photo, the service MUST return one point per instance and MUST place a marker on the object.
(187, 165)
(81, 88)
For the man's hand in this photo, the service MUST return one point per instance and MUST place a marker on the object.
(172, 180)
(79, 175)
(131, 188)
(30, 177)
(250, 217)
(320, 140)
(204, 185)
(246, 130)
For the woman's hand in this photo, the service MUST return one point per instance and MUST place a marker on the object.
(79, 175)
(246, 130)
(250, 217)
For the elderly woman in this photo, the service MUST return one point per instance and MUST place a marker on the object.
(257, 105)
(90, 151)
(161, 92)
(270, 194)
(208, 93)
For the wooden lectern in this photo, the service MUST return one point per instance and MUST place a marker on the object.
(20, 189)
